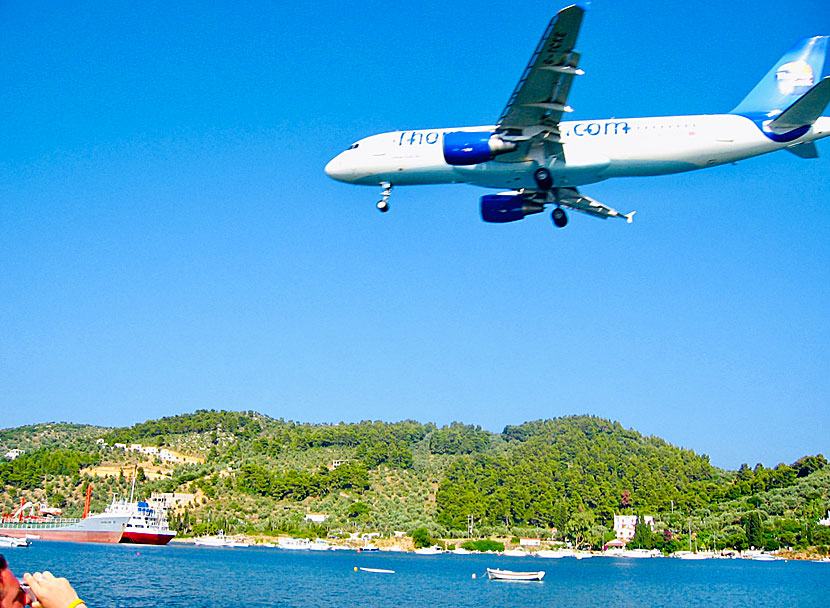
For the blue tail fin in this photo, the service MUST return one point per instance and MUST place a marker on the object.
(794, 74)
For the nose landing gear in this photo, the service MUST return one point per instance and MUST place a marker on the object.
(383, 203)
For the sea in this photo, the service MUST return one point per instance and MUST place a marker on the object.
(186, 576)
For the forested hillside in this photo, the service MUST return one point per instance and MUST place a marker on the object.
(563, 478)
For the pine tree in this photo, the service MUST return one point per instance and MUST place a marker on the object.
(754, 530)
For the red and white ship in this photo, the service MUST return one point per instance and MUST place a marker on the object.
(121, 522)
(41, 522)
(145, 526)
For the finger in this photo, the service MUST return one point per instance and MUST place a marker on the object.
(33, 580)
(48, 575)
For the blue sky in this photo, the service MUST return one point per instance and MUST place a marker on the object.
(169, 241)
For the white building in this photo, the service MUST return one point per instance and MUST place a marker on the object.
(625, 525)
(14, 453)
(170, 500)
(316, 518)
(530, 542)
(825, 522)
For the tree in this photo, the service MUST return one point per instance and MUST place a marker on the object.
(357, 509)
(754, 530)
(643, 536)
(421, 538)
(576, 529)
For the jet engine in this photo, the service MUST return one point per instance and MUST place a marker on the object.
(508, 207)
(473, 147)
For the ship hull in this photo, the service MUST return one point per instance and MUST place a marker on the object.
(74, 536)
(100, 528)
(146, 538)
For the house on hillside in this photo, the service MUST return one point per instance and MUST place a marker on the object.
(625, 526)
(316, 518)
(14, 453)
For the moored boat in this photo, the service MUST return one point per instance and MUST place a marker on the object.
(550, 554)
(319, 545)
(510, 575)
(146, 526)
(434, 550)
(294, 544)
(220, 540)
(10, 542)
(35, 520)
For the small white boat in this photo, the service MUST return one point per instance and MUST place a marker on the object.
(550, 554)
(220, 540)
(765, 557)
(8, 542)
(515, 553)
(319, 545)
(638, 553)
(294, 544)
(690, 555)
(434, 550)
(377, 570)
(509, 575)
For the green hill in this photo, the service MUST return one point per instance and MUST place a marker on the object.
(563, 478)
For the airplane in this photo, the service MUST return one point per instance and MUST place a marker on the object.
(542, 160)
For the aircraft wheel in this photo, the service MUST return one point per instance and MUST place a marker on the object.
(543, 178)
(383, 206)
(559, 217)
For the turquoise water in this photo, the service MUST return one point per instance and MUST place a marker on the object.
(130, 576)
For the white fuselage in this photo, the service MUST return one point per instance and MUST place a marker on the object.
(593, 150)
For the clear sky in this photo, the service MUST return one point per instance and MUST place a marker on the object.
(169, 241)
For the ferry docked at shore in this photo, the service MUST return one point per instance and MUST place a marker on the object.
(146, 526)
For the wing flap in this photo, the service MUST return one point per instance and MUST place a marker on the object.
(573, 199)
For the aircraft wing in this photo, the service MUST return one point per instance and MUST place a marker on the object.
(573, 199)
(533, 113)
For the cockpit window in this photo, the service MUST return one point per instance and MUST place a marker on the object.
(353, 146)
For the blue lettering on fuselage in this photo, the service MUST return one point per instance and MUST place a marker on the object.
(416, 138)
(581, 129)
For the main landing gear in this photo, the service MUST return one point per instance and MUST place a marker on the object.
(559, 217)
(383, 203)
(544, 181)
(543, 178)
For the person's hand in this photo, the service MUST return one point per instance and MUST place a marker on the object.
(51, 592)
